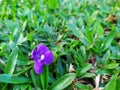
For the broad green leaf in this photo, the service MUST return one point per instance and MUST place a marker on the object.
(111, 85)
(89, 36)
(2, 65)
(80, 22)
(83, 52)
(36, 80)
(24, 25)
(24, 86)
(53, 4)
(106, 58)
(4, 37)
(63, 82)
(111, 66)
(83, 70)
(11, 62)
(107, 41)
(88, 75)
(100, 29)
(81, 86)
(103, 71)
(16, 87)
(44, 77)
(7, 78)
(92, 17)
(4, 87)
(60, 69)
(21, 39)
(48, 29)
(77, 32)
(30, 87)
(24, 70)
(118, 84)
(22, 59)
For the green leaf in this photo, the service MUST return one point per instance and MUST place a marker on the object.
(21, 39)
(111, 66)
(92, 17)
(22, 59)
(11, 62)
(7, 78)
(81, 86)
(89, 36)
(111, 85)
(53, 4)
(83, 70)
(100, 29)
(2, 65)
(83, 53)
(118, 84)
(16, 87)
(60, 69)
(36, 80)
(63, 82)
(24, 25)
(88, 75)
(30, 87)
(23, 71)
(105, 59)
(24, 86)
(48, 29)
(44, 77)
(106, 43)
(77, 32)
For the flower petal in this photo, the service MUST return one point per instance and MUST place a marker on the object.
(48, 57)
(38, 68)
(34, 54)
(41, 49)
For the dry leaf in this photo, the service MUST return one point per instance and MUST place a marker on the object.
(97, 80)
(111, 18)
(71, 69)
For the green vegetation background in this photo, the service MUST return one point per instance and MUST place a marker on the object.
(84, 33)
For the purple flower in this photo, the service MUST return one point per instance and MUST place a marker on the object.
(42, 56)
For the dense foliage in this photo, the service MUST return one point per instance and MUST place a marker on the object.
(84, 36)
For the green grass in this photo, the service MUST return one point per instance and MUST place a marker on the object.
(76, 31)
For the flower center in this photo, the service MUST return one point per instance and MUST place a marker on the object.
(42, 57)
